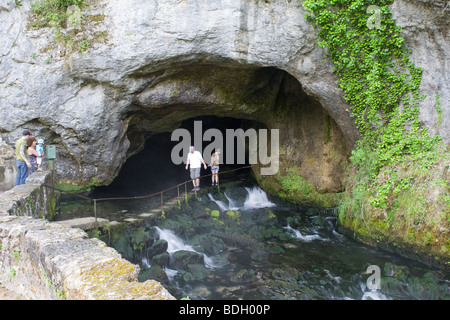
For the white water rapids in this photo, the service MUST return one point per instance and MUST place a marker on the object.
(299, 236)
(256, 199)
(308, 242)
(175, 243)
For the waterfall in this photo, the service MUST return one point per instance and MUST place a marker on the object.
(222, 205)
(298, 235)
(257, 198)
(372, 294)
(174, 243)
(231, 203)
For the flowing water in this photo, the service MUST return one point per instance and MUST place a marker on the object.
(237, 243)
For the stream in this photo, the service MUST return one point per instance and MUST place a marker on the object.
(236, 243)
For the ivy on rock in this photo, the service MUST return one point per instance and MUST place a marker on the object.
(380, 83)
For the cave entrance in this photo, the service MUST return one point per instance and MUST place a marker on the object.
(311, 143)
(153, 169)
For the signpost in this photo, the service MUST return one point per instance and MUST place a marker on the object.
(50, 154)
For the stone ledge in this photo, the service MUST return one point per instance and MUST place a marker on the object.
(10, 199)
(50, 260)
(29, 199)
(87, 223)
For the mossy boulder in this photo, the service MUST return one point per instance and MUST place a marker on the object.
(289, 274)
(183, 258)
(162, 259)
(209, 244)
(196, 272)
(123, 246)
(140, 239)
(155, 272)
(157, 247)
(244, 276)
(427, 288)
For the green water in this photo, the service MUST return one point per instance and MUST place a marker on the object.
(206, 249)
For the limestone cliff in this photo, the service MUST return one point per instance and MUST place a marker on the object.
(148, 65)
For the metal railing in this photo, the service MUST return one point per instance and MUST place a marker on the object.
(160, 193)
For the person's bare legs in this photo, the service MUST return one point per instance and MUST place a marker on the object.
(197, 181)
(215, 178)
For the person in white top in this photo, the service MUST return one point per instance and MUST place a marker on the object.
(195, 160)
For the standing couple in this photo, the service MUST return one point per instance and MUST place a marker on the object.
(29, 154)
(195, 160)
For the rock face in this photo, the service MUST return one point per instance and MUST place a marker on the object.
(426, 28)
(7, 166)
(152, 64)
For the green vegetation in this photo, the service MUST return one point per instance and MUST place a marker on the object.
(55, 14)
(12, 273)
(52, 13)
(378, 78)
(295, 186)
(397, 168)
(291, 186)
(70, 24)
(76, 186)
(438, 109)
(16, 255)
(234, 216)
(58, 293)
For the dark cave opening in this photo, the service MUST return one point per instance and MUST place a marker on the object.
(152, 169)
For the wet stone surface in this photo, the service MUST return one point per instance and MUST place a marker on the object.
(234, 243)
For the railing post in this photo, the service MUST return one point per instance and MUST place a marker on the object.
(95, 214)
(121, 198)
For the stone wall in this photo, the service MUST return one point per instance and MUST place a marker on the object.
(46, 260)
(7, 166)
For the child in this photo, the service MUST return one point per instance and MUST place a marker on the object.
(40, 151)
(215, 167)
